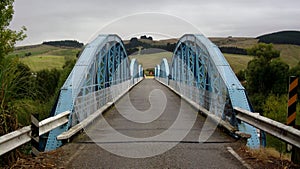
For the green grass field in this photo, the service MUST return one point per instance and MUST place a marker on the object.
(289, 54)
(41, 62)
(237, 62)
(65, 52)
(34, 50)
(151, 60)
(44, 56)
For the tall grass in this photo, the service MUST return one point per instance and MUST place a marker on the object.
(15, 91)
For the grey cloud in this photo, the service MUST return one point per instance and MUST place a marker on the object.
(77, 19)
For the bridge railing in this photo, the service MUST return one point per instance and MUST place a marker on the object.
(97, 99)
(89, 107)
(208, 100)
(192, 94)
(89, 102)
(22, 136)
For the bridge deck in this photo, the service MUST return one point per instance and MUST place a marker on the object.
(93, 149)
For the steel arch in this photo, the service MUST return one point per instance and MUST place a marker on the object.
(141, 71)
(157, 70)
(164, 68)
(134, 68)
(197, 62)
(103, 62)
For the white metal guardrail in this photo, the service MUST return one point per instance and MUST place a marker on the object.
(279, 130)
(19, 137)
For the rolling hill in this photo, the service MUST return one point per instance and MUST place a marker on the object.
(289, 53)
(283, 37)
(43, 56)
(39, 57)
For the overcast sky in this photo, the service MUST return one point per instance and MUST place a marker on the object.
(83, 19)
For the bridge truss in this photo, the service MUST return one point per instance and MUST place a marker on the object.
(200, 72)
(101, 73)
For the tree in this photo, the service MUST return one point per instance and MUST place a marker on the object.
(265, 74)
(275, 108)
(143, 37)
(14, 77)
(47, 83)
(279, 71)
(8, 37)
(263, 50)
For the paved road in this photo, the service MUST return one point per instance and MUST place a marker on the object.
(151, 127)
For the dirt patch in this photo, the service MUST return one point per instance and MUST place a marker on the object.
(53, 159)
(265, 158)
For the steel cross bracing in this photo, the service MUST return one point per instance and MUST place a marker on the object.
(200, 72)
(102, 71)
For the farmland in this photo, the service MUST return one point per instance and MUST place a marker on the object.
(39, 57)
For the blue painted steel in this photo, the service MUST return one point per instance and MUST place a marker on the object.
(164, 68)
(134, 68)
(98, 65)
(158, 70)
(198, 62)
(140, 71)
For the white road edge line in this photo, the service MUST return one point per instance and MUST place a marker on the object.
(238, 158)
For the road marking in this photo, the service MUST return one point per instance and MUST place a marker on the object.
(238, 158)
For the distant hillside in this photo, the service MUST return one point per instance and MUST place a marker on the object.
(149, 51)
(134, 44)
(40, 57)
(65, 43)
(284, 37)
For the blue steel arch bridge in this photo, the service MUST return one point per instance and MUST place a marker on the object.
(198, 71)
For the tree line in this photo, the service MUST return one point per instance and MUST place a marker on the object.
(233, 50)
(65, 43)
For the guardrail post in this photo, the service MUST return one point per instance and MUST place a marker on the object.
(291, 118)
(296, 153)
(35, 140)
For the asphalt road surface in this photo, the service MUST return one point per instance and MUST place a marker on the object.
(151, 127)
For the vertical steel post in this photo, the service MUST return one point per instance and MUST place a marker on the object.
(35, 140)
(291, 118)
